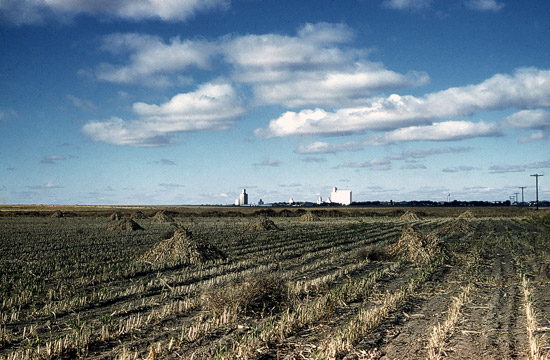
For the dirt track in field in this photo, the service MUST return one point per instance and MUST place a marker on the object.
(491, 326)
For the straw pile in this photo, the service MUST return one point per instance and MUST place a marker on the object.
(415, 246)
(286, 213)
(125, 225)
(309, 216)
(56, 214)
(138, 215)
(258, 295)
(259, 224)
(162, 217)
(456, 227)
(116, 216)
(182, 248)
(409, 216)
(466, 215)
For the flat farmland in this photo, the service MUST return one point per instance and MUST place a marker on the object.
(230, 283)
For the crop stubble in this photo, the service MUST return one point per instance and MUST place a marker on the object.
(71, 288)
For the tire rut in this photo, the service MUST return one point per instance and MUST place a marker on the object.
(493, 326)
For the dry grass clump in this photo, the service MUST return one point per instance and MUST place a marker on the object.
(138, 215)
(183, 248)
(259, 295)
(56, 214)
(467, 215)
(161, 217)
(309, 216)
(259, 224)
(125, 225)
(116, 216)
(409, 216)
(415, 246)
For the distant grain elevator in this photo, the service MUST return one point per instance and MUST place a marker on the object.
(242, 199)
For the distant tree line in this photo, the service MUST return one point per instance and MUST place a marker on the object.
(454, 203)
(413, 203)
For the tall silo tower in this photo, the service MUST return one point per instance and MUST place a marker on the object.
(243, 198)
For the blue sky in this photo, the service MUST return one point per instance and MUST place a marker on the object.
(187, 101)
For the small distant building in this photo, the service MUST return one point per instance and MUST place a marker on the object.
(291, 201)
(340, 196)
(242, 199)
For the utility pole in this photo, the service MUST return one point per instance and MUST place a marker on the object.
(516, 193)
(522, 187)
(537, 187)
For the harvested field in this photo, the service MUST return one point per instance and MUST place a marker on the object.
(351, 286)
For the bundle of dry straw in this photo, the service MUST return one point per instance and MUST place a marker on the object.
(259, 224)
(125, 225)
(182, 248)
(309, 216)
(415, 246)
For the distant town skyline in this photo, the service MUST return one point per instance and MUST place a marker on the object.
(186, 102)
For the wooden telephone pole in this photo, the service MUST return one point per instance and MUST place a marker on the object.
(522, 187)
(537, 186)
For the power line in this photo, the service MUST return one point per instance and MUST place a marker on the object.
(537, 186)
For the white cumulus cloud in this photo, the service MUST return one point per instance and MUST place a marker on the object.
(537, 120)
(314, 67)
(211, 107)
(311, 68)
(528, 119)
(443, 131)
(152, 61)
(527, 88)
(37, 11)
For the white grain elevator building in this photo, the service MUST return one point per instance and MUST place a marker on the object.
(243, 198)
(340, 196)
